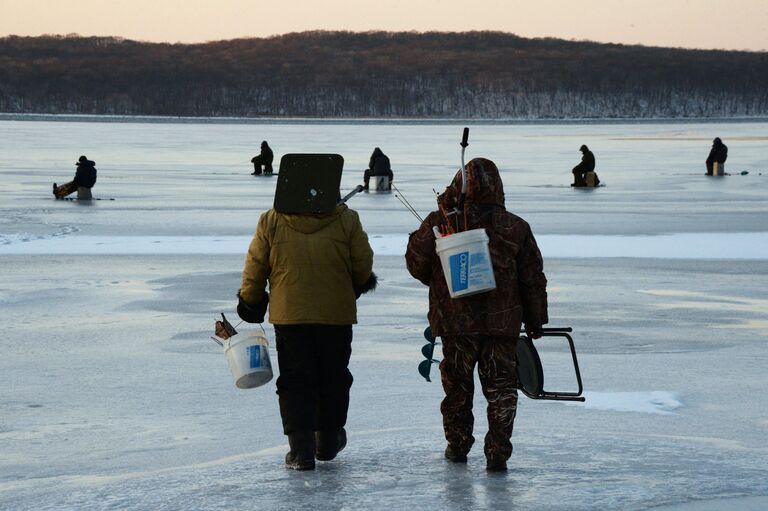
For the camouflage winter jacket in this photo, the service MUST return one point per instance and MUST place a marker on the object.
(312, 263)
(520, 294)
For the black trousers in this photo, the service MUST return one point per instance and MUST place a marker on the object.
(258, 162)
(579, 177)
(314, 382)
(368, 173)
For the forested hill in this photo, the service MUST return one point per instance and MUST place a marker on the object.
(378, 74)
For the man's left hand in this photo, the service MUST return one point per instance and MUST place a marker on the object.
(534, 332)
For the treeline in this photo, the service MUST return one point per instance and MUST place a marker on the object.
(378, 74)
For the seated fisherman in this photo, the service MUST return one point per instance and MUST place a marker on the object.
(587, 165)
(85, 177)
(718, 154)
(377, 166)
(263, 159)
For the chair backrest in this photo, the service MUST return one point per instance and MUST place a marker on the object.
(308, 183)
(530, 375)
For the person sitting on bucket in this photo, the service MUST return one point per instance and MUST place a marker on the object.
(378, 165)
(264, 159)
(317, 266)
(481, 329)
(718, 154)
(85, 177)
(587, 165)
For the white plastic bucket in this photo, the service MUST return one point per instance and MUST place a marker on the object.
(248, 357)
(466, 262)
(381, 183)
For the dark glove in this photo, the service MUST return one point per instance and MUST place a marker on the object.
(252, 313)
(368, 285)
(533, 331)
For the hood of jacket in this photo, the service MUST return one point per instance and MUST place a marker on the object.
(311, 223)
(484, 186)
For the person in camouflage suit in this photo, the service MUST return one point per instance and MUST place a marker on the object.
(481, 329)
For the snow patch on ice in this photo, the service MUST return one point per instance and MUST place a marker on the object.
(759, 503)
(671, 246)
(656, 401)
(706, 301)
(25, 237)
(702, 300)
(761, 326)
(95, 480)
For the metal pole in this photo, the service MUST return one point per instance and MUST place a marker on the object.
(358, 189)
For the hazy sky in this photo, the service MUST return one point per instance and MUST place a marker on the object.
(727, 24)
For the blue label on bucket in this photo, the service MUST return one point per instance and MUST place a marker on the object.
(470, 271)
(481, 271)
(254, 356)
(459, 271)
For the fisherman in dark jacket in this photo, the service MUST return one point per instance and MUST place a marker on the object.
(482, 329)
(378, 165)
(85, 177)
(718, 154)
(587, 165)
(263, 159)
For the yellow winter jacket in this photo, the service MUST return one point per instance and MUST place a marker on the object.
(311, 262)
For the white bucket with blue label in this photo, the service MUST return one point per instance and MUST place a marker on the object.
(248, 357)
(466, 262)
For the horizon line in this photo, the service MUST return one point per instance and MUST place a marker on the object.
(77, 35)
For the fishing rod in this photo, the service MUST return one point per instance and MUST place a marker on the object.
(399, 196)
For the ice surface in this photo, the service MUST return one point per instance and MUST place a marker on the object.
(114, 397)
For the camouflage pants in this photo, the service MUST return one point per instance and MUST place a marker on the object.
(495, 358)
(65, 189)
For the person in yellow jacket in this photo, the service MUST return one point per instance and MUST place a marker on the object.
(317, 265)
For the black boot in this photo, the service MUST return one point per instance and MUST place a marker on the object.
(302, 453)
(453, 454)
(329, 443)
(494, 464)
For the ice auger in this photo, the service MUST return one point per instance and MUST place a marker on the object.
(530, 374)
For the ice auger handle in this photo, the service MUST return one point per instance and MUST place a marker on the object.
(358, 189)
(465, 137)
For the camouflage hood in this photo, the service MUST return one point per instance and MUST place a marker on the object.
(484, 186)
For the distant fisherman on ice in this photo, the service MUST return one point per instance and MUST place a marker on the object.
(264, 159)
(584, 173)
(85, 178)
(378, 166)
(716, 159)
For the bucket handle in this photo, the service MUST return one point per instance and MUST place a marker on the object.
(265, 333)
(266, 339)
